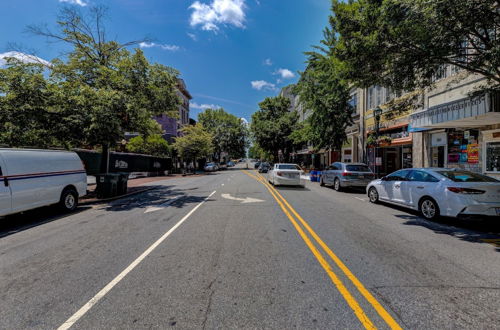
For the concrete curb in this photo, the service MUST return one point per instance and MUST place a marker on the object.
(99, 201)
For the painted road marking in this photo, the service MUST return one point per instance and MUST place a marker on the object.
(366, 294)
(85, 308)
(162, 205)
(361, 199)
(492, 241)
(242, 200)
(351, 301)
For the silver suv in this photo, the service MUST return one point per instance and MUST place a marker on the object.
(343, 175)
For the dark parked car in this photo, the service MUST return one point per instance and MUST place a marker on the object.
(264, 167)
(343, 175)
(257, 164)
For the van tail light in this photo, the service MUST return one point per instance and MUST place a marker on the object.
(279, 173)
(467, 191)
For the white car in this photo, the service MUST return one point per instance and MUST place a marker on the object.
(439, 191)
(32, 178)
(286, 174)
(211, 167)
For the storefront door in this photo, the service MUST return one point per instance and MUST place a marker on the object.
(437, 156)
(392, 160)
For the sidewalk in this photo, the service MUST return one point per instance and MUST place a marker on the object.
(135, 186)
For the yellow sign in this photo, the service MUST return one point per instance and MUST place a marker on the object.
(473, 153)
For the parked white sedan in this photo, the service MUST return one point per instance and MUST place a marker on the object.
(439, 191)
(286, 174)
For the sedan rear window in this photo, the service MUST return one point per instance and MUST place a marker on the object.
(465, 176)
(357, 168)
(288, 167)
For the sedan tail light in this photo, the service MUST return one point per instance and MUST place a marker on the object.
(467, 191)
(346, 174)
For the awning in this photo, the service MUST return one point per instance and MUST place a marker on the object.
(464, 113)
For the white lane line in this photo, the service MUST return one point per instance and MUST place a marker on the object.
(361, 199)
(85, 308)
(222, 185)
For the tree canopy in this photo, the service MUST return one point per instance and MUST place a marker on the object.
(195, 142)
(229, 132)
(326, 94)
(154, 145)
(99, 91)
(403, 44)
(272, 125)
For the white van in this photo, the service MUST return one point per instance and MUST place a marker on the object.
(32, 178)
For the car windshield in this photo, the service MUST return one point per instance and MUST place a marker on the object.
(288, 167)
(357, 168)
(210, 164)
(466, 176)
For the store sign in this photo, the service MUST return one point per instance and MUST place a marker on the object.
(473, 153)
(464, 108)
(438, 139)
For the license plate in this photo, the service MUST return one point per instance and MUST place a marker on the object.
(498, 210)
(361, 176)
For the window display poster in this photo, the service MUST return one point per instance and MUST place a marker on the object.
(473, 153)
(453, 158)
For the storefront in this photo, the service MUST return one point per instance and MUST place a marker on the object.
(392, 152)
(463, 134)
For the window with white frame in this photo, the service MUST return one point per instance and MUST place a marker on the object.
(492, 156)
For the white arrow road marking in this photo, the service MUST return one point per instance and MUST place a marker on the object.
(162, 205)
(242, 200)
(85, 308)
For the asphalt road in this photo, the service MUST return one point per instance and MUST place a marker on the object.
(227, 251)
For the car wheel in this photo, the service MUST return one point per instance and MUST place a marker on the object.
(321, 182)
(69, 200)
(336, 185)
(429, 208)
(373, 195)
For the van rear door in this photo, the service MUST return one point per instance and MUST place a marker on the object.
(5, 194)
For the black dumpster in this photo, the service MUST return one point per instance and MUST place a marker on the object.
(122, 185)
(107, 185)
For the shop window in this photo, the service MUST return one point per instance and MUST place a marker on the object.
(463, 147)
(493, 156)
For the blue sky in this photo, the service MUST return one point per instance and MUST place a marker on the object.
(231, 53)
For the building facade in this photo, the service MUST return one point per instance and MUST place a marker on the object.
(171, 126)
(459, 127)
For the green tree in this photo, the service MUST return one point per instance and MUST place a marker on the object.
(116, 91)
(272, 125)
(229, 132)
(154, 145)
(325, 93)
(194, 143)
(403, 44)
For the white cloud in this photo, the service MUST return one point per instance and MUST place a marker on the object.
(75, 2)
(263, 85)
(172, 48)
(25, 58)
(268, 62)
(219, 12)
(285, 73)
(192, 36)
(195, 105)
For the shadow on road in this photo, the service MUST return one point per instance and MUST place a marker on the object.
(159, 196)
(22, 221)
(476, 231)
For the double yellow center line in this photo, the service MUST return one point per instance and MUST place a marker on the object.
(350, 299)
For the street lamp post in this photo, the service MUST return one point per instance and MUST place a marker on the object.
(377, 112)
